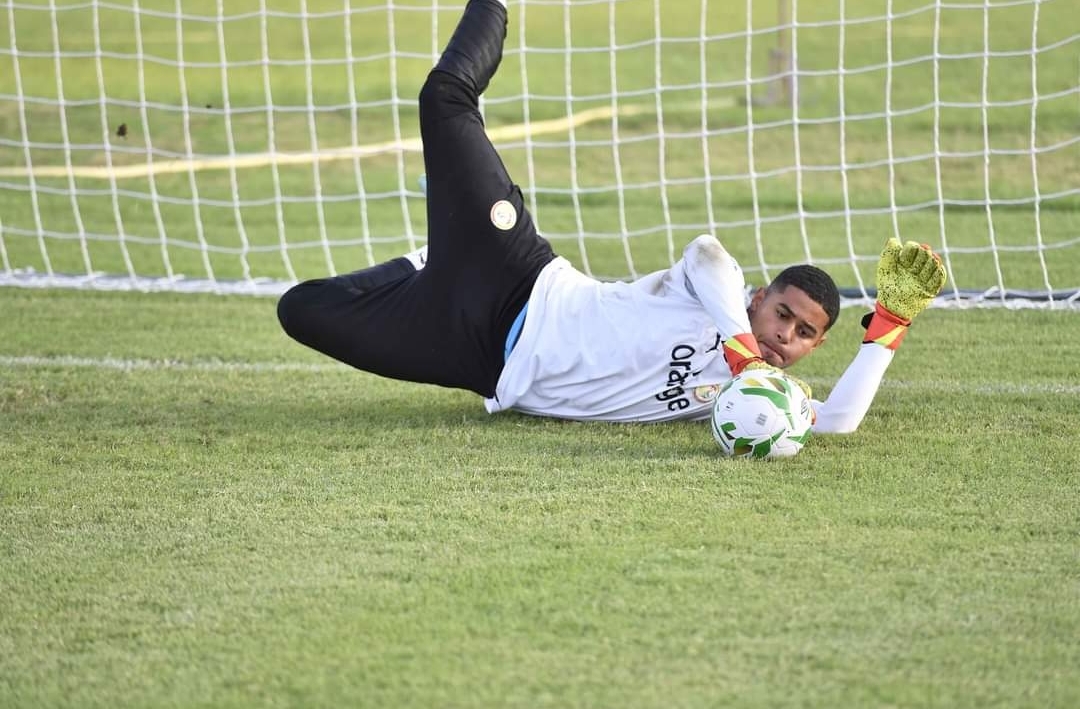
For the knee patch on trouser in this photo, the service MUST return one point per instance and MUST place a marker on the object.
(475, 49)
(302, 309)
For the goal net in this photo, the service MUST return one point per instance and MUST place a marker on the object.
(241, 146)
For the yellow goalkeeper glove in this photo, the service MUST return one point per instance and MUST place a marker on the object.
(909, 277)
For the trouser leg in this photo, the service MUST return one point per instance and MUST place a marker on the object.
(475, 49)
(447, 323)
(352, 317)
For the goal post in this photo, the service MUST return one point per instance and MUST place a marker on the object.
(241, 146)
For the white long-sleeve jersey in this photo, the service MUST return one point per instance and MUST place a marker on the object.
(649, 350)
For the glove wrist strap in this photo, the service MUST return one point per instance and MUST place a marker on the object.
(885, 327)
(740, 351)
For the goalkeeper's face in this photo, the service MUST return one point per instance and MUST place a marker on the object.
(787, 323)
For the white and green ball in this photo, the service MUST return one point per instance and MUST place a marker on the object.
(761, 414)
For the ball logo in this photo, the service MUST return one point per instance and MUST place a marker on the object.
(503, 215)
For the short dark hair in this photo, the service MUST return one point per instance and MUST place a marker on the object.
(815, 283)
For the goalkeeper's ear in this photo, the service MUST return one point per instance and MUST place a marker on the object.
(756, 296)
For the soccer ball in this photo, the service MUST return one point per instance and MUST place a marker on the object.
(761, 414)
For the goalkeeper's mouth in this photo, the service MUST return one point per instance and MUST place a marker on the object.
(771, 356)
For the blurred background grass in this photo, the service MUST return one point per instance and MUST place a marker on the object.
(686, 140)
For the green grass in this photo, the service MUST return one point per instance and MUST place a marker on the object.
(911, 137)
(196, 511)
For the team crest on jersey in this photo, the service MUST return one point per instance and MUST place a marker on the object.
(706, 393)
(503, 215)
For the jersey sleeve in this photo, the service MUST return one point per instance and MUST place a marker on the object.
(846, 406)
(711, 276)
(714, 278)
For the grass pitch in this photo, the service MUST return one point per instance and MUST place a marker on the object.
(206, 514)
(196, 511)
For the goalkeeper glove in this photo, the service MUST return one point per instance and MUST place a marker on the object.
(763, 365)
(742, 353)
(909, 277)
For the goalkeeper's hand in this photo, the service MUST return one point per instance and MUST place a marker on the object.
(763, 365)
(909, 277)
(742, 353)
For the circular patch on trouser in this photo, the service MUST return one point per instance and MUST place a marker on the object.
(503, 215)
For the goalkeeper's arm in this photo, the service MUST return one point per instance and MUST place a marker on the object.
(909, 277)
(714, 278)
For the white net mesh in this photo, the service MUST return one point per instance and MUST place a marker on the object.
(242, 146)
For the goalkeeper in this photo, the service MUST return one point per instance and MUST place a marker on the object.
(487, 306)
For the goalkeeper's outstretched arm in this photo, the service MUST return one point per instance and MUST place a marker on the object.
(714, 278)
(909, 277)
(793, 321)
(711, 276)
(850, 399)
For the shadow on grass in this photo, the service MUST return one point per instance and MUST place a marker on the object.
(379, 420)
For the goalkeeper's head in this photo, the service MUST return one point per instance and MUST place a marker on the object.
(790, 317)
